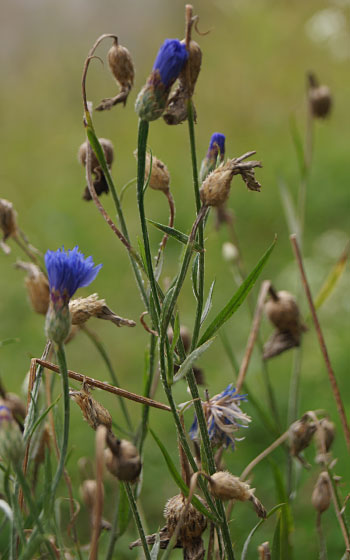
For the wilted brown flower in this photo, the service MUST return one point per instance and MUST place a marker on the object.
(100, 182)
(122, 68)
(37, 286)
(82, 309)
(226, 486)
(94, 412)
(122, 459)
(321, 495)
(300, 435)
(320, 98)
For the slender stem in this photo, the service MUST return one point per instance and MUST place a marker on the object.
(263, 454)
(137, 518)
(145, 409)
(321, 539)
(98, 506)
(61, 356)
(103, 352)
(113, 534)
(330, 371)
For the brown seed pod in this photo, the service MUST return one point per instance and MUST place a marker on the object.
(216, 187)
(321, 495)
(122, 459)
(320, 98)
(100, 182)
(122, 68)
(160, 177)
(37, 287)
(94, 412)
(194, 522)
(226, 486)
(283, 311)
(300, 435)
(8, 218)
(81, 309)
(325, 435)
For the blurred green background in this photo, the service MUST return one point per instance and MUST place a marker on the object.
(252, 82)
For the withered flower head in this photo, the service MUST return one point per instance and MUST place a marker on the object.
(122, 459)
(194, 522)
(300, 435)
(224, 417)
(122, 68)
(216, 187)
(160, 177)
(94, 412)
(37, 286)
(226, 486)
(81, 309)
(320, 98)
(321, 495)
(325, 434)
(88, 492)
(8, 222)
(100, 182)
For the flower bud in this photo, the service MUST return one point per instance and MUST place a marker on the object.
(122, 459)
(11, 441)
(122, 68)
(226, 486)
(321, 495)
(320, 98)
(325, 434)
(300, 434)
(81, 309)
(160, 177)
(194, 522)
(230, 252)
(94, 412)
(283, 311)
(100, 183)
(37, 287)
(57, 322)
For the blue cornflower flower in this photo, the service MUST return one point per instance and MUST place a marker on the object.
(216, 149)
(67, 271)
(223, 416)
(171, 58)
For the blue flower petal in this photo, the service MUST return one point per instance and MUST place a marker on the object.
(170, 60)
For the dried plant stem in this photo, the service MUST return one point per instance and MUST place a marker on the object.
(101, 349)
(137, 518)
(263, 454)
(29, 253)
(253, 334)
(322, 541)
(98, 506)
(105, 386)
(332, 378)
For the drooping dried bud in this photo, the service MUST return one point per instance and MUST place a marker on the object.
(122, 459)
(88, 492)
(325, 434)
(283, 312)
(94, 412)
(264, 551)
(37, 287)
(100, 183)
(226, 486)
(8, 222)
(300, 436)
(320, 98)
(122, 68)
(193, 524)
(81, 309)
(11, 440)
(321, 495)
(160, 177)
(216, 187)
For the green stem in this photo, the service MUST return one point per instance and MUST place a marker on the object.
(137, 518)
(146, 409)
(66, 403)
(103, 352)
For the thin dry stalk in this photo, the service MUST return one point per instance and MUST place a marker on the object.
(144, 324)
(105, 386)
(331, 374)
(98, 506)
(264, 454)
(265, 286)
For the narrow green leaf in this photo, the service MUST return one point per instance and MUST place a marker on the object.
(142, 253)
(123, 510)
(289, 209)
(175, 234)
(155, 548)
(191, 358)
(165, 307)
(286, 526)
(7, 341)
(253, 531)
(195, 277)
(238, 298)
(208, 303)
(332, 279)
(176, 332)
(180, 483)
(276, 553)
(6, 509)
(43, 415)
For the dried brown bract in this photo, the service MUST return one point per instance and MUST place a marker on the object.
(122, 68)
(321, 495)
(283, 312)
(37, 287)
(82, 309)
(226, 486)
(8, 222)
(300, 435)
(100, 182)
(94, 412)
(122, 459)
(216, 187)
(320, 98)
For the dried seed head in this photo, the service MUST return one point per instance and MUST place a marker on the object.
(8, 218)
(321, 495)
(122, 459)
(226, 486)
(108, 150)
(216, 187)
(230, 252)
(300, 434)
(283, 311)
(160, 177)
(82, 309)
(94, 413)
(325, 434)
(194, 522)
(192, 67)
(37, 287)
(121, 65)
(88, 492)
(320, 98)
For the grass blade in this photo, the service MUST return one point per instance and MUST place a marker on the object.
(332, 279)
(208, 303)
(175, 234)
(253, 531)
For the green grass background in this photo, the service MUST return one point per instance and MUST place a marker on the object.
(252, 81)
